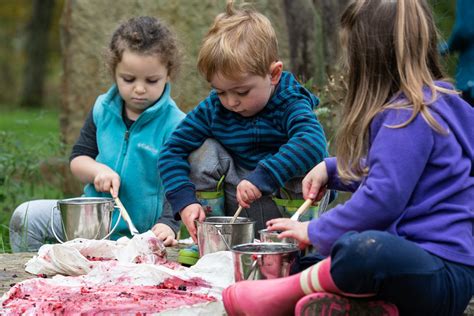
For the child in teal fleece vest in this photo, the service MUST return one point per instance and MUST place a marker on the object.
(121, 140)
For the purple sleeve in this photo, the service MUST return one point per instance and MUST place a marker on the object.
(396, 160)
(334, 182)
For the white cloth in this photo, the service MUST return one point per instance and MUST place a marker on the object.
(137, 261)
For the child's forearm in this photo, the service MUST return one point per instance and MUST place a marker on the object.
(86, 169)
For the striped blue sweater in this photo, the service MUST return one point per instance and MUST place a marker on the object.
(282, 141)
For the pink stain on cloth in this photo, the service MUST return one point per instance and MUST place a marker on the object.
(42, 297)
(124, 277)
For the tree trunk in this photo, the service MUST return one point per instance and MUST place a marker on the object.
(330, 11)
(37, 52)
(305, 38)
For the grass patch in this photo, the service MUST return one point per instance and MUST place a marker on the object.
(28, 139)
(30, 127)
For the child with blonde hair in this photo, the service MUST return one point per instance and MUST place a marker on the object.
(403, 243)
(257, 126)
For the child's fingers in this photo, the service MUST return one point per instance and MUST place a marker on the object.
(174, 242)
(313, 191)
(273, 221)
(241, 201)
(189, 223)
(321, 194)
(202, 215)
(279, 224)
(116, 186)
(192, 231)
(306, 187)
(250, 195)
(168, 240)
(287, 234)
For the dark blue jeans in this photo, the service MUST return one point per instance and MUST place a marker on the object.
(401, 272)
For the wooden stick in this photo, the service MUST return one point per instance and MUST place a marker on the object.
(237, 213)
(300, 211)
(125, 215)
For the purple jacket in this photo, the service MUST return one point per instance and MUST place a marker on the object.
(420, 184)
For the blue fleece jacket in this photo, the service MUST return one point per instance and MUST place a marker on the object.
(420, 184)
(282, 141)
(134, 154)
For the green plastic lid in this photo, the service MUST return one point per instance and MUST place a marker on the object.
(188, 256)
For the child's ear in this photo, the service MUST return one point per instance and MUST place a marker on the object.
(276, 69)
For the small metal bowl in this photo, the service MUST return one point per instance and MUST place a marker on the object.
(272, 236)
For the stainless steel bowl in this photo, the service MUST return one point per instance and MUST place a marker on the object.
(85, 217)
(259, 261)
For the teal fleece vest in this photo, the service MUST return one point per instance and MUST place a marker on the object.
(134, 155)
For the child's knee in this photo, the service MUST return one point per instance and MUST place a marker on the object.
(210, 151)
(208, 164)
(360, 252)
(18, 217)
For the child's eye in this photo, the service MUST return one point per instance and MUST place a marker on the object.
(243, 93)
(129, 80)
(152, 81)
(220, 92)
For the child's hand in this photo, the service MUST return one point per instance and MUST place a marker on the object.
(191, 213)
(107, 179)
(314, 184)
(247, 193)
(289, 228)
(165, 234)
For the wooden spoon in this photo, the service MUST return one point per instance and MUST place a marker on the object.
(126, 217)
(300, 211)
(237, 213)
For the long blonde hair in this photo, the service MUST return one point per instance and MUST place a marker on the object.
(390, 50)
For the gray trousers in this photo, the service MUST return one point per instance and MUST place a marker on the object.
(211, 161)
(30, 225)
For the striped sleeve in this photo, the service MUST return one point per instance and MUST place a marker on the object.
(173, 164)
(305, 148)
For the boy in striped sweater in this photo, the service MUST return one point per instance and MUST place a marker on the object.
(257, 126)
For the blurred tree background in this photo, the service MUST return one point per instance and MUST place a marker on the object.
(33, 157)
(29, 35)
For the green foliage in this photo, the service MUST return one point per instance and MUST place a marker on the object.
(14, 17)
(28, 140)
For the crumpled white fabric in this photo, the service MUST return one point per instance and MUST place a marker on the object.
(137, 264)
(71, 257)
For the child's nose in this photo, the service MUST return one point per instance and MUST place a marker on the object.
(232, 101)
(140, 89)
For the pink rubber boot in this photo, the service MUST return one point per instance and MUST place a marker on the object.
(326, 304)
(263, 297)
